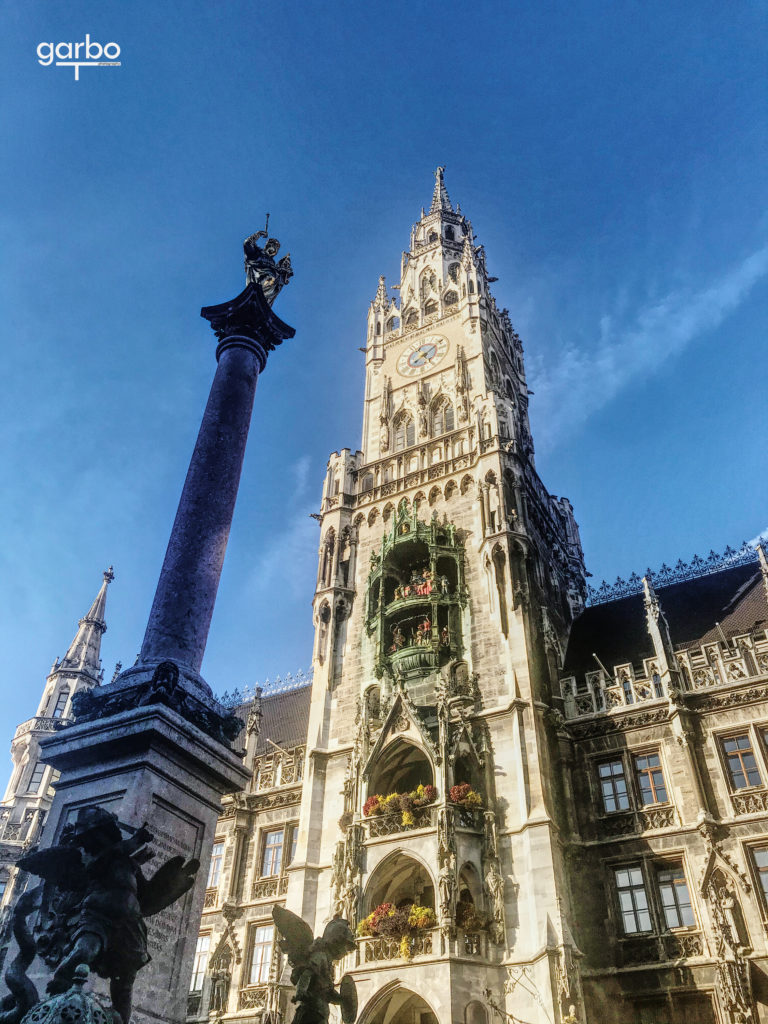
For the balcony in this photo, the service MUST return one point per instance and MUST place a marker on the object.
(41, 724)
(266, 888)
(254, 998)
(392, 824)
(632, 822)
(377, 950)
(652, 949)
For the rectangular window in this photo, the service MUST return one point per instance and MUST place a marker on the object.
(761, 863)
(742, 765)
(633, 900)
(613, 786)
(261, 954)
(650, 779)
(61, 703)
(217, 858)
(36, 777)
(272, 857)
(675, 898)
(200, 962)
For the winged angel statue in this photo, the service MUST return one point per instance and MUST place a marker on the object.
(93, 902)
(312, 967)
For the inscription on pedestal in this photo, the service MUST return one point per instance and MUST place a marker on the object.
(175, 835)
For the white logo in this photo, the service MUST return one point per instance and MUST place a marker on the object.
(88, 54)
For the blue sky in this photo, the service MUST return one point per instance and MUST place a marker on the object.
(611, 155)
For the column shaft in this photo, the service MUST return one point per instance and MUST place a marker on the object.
(186, 592)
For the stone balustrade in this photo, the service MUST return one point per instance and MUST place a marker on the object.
(265, 888)
(743, 659)
(379, 825)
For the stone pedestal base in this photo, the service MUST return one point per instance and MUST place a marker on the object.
(150, 765)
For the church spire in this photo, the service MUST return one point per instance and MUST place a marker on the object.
(440, 200)
(84, 651)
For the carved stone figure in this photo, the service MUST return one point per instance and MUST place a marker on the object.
(311, 961)
(220, 982)
(494, 883)
(447, 886)
(96, 898)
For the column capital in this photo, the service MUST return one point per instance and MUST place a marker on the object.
(247, 321)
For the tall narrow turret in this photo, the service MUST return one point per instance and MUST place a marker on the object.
(29, 792)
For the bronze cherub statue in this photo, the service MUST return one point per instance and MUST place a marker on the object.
(95, 899)
(312, 962)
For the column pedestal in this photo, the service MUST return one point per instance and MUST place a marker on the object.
(150, 764)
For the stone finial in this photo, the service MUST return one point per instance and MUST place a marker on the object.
(381, 299)
(109, 574)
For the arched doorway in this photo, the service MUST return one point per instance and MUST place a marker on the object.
(400, 1007)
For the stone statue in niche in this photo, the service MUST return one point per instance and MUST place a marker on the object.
(95, 898)
(260, 266)
(312, 961)
(220, 982)
(494, 884)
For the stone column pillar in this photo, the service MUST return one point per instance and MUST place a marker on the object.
(186, 592)
(154, 746)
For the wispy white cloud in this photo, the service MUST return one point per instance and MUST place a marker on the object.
(295, 545)
(761, 538)
(583, 380)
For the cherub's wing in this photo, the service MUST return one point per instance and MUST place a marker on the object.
(61, 865)
(168, 883)
(296, 934)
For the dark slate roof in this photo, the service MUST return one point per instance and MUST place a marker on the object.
(617, 633)
(284, 719)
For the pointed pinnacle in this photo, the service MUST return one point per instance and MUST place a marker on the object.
(440, 200)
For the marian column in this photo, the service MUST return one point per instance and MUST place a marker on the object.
(154, 746)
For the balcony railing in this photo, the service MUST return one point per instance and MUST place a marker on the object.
(743, 659)
(266, 887)
(41, 724)
(633, 822)
(392, 824)
(750, 801)
(253, 998)
(649, 949)
(376, 950)
(211, 898)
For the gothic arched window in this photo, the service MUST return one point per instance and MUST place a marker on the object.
(427, 283)
(430, 308)
(451, 298)
(393, 323)
(411, 318)
(449, 234)
(405, 433)
(453, 273)
(443, 419)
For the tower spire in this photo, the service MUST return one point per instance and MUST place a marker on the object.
(85, 650)
(440, 200)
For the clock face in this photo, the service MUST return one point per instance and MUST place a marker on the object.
(421, 355)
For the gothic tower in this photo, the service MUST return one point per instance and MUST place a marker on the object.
(28, 794)
(448, 579)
